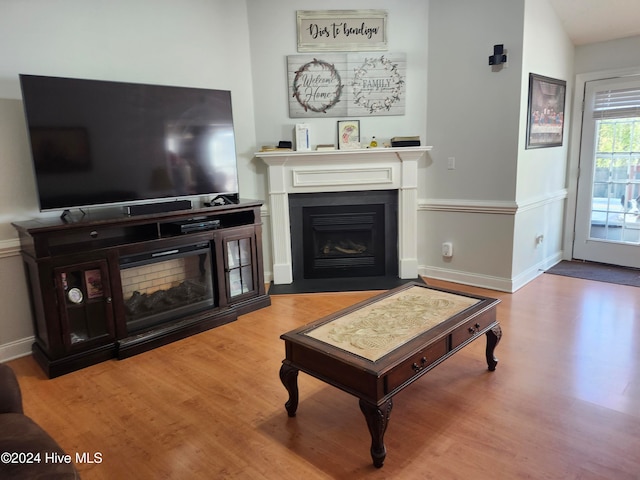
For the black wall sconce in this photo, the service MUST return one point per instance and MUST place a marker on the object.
(498, 57)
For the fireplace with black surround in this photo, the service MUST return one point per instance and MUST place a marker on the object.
(342, 238)
(351, 170)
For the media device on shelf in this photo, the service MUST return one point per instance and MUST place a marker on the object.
(101, 143)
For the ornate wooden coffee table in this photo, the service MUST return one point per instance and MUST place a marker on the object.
(376, 348)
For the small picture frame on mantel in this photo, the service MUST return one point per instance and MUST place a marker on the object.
(348, 134)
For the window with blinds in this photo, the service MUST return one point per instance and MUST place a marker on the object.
(624, 103)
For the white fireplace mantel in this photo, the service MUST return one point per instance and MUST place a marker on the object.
(343, 170)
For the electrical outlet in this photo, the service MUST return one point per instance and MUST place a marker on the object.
(447, 249)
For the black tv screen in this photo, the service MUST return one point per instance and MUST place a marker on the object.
(100, 142)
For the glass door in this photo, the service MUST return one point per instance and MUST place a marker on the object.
(240, 263)
(607, 217)
(86, 309)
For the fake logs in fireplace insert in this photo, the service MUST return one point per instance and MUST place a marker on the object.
(343, 242)
(162, 286)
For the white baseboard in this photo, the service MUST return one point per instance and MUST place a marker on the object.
(501, 284)
(535, 271)
(16, 349)
(467, 278)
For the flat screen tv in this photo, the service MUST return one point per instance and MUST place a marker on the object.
(100, 142)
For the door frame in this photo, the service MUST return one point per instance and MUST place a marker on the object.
(575, 136)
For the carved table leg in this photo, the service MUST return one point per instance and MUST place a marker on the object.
(289, 378)
(493, 337)
(377, 420)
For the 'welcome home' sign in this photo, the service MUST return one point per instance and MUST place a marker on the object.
(347, 84)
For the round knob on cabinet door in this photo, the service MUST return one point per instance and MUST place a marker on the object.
(471, 330)
(108, 300)
(477, 325)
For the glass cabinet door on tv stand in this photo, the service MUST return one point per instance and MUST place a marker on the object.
(240, 263)
(86, 309)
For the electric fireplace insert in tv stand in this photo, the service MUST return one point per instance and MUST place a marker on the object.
(114, 286)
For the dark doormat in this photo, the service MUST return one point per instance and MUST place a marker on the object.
(340, 285)
(600, 272)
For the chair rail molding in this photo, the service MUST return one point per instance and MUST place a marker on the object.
(9, 248)
(497, 207)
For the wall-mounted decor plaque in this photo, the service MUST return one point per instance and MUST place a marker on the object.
(342, 30)
(346, 84)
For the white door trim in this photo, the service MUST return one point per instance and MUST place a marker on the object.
(575, 137)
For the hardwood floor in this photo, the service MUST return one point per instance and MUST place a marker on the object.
(563, 403)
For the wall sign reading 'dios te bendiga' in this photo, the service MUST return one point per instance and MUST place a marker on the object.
(347, 84)
(342, 30)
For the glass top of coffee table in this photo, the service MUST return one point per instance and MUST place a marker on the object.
(378, 328)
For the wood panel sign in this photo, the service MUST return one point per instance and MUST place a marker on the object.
(347, 85)
(342, 30)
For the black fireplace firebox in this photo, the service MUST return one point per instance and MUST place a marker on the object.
(344, 234)
(339, 241)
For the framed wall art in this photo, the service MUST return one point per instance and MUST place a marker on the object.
(347, 84)
(348, 134)
(545, 115)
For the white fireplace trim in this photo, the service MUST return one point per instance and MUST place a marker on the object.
(343, 170)
(345, 176)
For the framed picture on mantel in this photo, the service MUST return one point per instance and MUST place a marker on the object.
(545, 121)
(348, 134)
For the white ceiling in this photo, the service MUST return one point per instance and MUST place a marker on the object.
(591, 21)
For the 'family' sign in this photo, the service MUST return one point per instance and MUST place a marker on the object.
(347, 84)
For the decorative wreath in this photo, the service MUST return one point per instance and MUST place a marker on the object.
(359, 93)
(308, 68)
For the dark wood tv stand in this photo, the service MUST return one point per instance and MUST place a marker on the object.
(74, 271)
